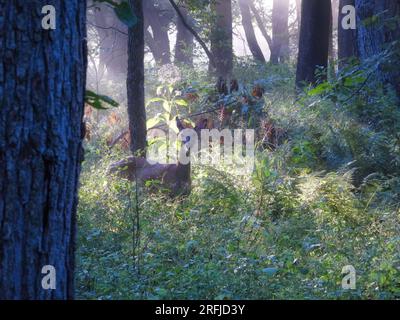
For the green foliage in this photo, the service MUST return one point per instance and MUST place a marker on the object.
(328, 196)
(171, 102)
(99, 102)
(223, 242)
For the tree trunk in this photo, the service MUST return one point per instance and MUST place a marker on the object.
(135, 81)
(332, 33)
(113, 42)
(100, 18)
(347, 39)
(249, 31)
(184, 41)
(194, 33)
(298, 13)
(261, 25)
(373, 39)
(221, 39)
(159, 27)
(42, 88)
(314, 40)
(280, 31)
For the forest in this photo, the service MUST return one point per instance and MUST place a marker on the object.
(200, 149)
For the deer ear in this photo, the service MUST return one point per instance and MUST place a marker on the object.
(179, 124)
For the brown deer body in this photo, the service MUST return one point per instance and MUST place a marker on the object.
(174, 177)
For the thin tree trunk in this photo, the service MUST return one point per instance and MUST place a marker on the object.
(100, 18)
(113, 41)
(260, 24)
(333, 28)
(194, 33)
(184, 41)
(249, 31)
(280, 31)
(222, 40)
(135, 81)
(42, 89)
(159, 27)
(149, 41)
(314, 40)
(347, 39)
(298, 12)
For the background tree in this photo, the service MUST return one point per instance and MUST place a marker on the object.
(249, 31)
(42, 90)
(222, 39)
(113, 41)
(378, 28)
(280, 31)
(298, 12)
(261, 24)
(314, 39)
(184, 40)
(158, 15)
(347, 38)
(135, 80)
(332, 55)
(187, 24)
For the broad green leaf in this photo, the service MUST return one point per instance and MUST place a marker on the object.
(319, 89)
(99, 102)
(181, 102)
(153, 122)
(154, 100)
(351, 81)
(167, 106)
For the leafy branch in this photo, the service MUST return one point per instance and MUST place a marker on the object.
(97, 101)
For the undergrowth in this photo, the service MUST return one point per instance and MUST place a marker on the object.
(325, 198)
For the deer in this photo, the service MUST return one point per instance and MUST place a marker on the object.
(176, 178)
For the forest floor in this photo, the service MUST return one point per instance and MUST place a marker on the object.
(284, 232)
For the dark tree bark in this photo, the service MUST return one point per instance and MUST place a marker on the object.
(347, 39)
(42, 88)
(280, 31)
(184, 40)
(373, 39)
(159, 21)
(249, 31)
(314, 40)
(222, 40)
(135, 81)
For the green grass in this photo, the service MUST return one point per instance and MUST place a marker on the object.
(228, 240)
(328, 197)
